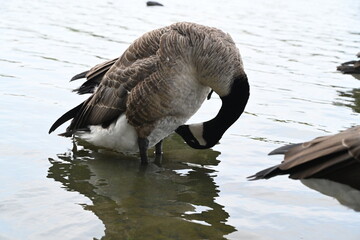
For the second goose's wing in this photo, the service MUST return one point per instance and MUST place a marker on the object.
(323, 155)
(335, 157)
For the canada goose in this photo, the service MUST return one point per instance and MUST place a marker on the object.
(157, 84)
(335, 158)
(351, 67)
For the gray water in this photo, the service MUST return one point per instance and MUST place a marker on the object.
(51, 189)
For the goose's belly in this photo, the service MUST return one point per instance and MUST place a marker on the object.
(121, 136)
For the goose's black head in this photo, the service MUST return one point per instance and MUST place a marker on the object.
(194, 136)
(207, 134)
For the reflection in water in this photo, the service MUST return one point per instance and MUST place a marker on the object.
(353, 97)
(345, 194)
(171, 199)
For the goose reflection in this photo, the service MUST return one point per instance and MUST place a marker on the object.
(344, 194)
(351, 98)
(174, 199)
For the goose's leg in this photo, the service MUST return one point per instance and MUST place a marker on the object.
(74, 149)
(143, 147)
(158, 153)
(158, 148)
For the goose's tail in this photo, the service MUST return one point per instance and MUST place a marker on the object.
(67, 116)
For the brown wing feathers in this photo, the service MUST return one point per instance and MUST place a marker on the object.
(93, 77)
(115, 79)
(79, 113)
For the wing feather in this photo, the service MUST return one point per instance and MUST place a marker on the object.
(119, 77)
(93, 76)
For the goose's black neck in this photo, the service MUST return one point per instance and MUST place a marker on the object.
(233, 106)
(207, 134)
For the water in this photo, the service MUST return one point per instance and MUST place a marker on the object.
(50, 190)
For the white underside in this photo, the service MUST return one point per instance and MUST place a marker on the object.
(122, 137)
(119, 136)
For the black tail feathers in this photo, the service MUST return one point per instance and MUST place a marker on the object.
(67, 116)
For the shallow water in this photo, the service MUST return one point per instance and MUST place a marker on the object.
(52, 190)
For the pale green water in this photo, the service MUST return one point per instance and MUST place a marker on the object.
(290, 50)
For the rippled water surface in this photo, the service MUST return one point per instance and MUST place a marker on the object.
(51, 189)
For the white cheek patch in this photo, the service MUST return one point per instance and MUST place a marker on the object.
(197, 131)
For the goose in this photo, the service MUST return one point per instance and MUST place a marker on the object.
(156, 85)
(335, 158)
(351, 67)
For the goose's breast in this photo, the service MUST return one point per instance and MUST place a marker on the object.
(187, 93)
(186, 100)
